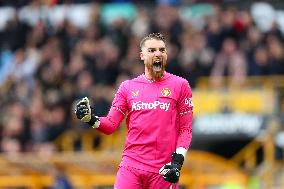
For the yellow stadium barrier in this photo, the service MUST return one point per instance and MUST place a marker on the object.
(267, 167)
(264, 82)
(249, 101)
(92, 169)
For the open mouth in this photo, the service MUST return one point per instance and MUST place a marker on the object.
(157, 66)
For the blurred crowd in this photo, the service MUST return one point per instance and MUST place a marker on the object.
(45, 69)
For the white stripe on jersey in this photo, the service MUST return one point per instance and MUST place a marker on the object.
(117, 108)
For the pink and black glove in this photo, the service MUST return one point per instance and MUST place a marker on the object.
(84, 112)
(171, 171)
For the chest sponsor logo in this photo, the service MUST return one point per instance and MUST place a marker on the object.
(150, 105)
(166, 92)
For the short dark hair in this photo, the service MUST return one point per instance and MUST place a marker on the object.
(157, 36)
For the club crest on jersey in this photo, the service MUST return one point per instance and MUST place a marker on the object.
(166, 92)
(135, 93)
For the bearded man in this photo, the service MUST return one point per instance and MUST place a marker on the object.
(159, 110)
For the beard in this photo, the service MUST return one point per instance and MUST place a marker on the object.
(156, 69)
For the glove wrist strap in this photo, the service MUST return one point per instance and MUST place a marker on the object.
(178, 159)
(94, 121)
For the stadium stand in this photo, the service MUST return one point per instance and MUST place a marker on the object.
(54, 52)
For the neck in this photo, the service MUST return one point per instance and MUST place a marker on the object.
(150, 77)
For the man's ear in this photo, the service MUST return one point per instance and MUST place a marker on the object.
(141, 55)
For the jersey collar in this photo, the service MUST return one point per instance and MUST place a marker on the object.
(154, 81)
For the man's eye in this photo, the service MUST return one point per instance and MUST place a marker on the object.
(151, 50)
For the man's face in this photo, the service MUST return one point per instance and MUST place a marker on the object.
(154, 55)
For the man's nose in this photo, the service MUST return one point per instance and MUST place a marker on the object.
(158, 53)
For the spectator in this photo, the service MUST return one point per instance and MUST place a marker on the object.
(276, 54)
(229, 62)
(260, 64)
(43, 65)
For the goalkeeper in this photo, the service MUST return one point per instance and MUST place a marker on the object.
(158, 107)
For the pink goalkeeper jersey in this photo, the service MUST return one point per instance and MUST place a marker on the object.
(159, 119)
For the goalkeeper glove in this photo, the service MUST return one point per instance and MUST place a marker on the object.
(171, 171)
(84, 112)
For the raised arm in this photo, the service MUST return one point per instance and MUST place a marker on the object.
(109, 123)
